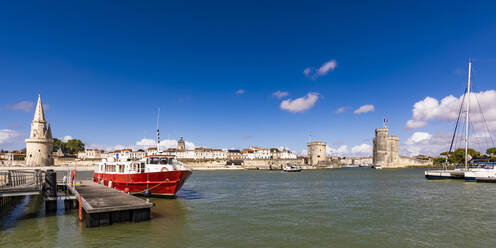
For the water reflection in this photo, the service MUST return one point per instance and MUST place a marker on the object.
(189, 194)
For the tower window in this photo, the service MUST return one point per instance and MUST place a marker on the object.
(39, 150)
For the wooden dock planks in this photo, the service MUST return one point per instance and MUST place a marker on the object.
(104, 206)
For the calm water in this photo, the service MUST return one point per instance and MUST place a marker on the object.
(325, 208)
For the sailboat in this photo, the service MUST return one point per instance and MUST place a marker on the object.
(465, 172)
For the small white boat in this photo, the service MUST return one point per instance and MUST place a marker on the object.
(378, 167)
(292, 168)
(445, 174)
(484, 174)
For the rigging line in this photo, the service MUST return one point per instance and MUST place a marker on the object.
(457, 122)
(482, 113)
(484, 119)
(475, 139)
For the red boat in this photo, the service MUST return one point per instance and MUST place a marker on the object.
(154, 175)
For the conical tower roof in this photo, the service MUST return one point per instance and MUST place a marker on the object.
(49, 132)
(39, 114)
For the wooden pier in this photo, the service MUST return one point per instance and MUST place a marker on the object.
(101, 205)
(98, 204)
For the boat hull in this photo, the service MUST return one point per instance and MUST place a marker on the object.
(166, 183)
(444, 174)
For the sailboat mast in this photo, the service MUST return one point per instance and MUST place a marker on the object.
(158, 132)
(466, 119)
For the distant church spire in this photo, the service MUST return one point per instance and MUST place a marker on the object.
(39, 115)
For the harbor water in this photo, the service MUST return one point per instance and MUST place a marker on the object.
(350, 207)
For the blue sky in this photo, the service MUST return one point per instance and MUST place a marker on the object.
(104, 67)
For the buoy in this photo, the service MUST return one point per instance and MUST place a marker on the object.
(147, 193)
(126, 190)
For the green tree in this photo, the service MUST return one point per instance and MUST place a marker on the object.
(458, 156)
(491, 151)
(438, 160)
(74, 146)
(58, 144)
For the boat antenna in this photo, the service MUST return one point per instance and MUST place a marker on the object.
(466, 119)
(158, 132)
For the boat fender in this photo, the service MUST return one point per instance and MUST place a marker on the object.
(110, 184)
(126, 190)
(147, 193)
(164, 168)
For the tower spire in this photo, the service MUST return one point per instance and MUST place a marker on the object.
(39, 115)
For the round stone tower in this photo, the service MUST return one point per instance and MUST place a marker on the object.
(316, 152)
(381, 146)
(386, 149)
(39, 145)
(181, 145)
(394, 157)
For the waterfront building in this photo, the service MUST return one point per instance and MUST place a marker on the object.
(128, 154)
(234, 154)
(90, 153)
(39, 145)
(286, 154)
(316, 152)
(255, 152)
(385, 152)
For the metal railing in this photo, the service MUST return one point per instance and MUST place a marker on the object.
(21, 180)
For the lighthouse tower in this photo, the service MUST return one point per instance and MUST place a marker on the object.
(39, 145)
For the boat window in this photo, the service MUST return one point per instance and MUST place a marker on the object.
(121, 168)
(153, 160)
(164, 161)
(142, 167)
(170, 160)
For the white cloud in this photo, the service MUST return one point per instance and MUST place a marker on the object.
(25, 106)
(301, 104)
(343, 151)
(164, 144)
(341, 110)
(307, 71)
(364, 109)
(11, 139)
(340, 151)
(418, 137)
(322, 70)
(280, 94)
(362, 150)
(426, 144)
(8, 136)
(67, 138)
(240, 92)
(145, 142)
(448, 108)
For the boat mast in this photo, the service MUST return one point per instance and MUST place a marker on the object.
(466, 119)
(158, 132)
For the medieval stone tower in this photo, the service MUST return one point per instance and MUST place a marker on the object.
(39, 145)
(181, 145)
(316, 152)
(385, 149)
